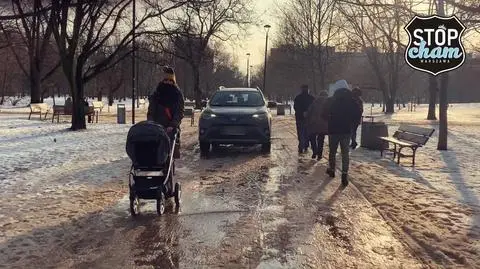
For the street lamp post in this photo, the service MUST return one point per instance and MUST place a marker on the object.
(133, 62)
(267, 28)
(248, 69)
(250, 77)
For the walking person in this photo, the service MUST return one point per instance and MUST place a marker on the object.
(317, 125)
(342, 114)
(357, 97)
(167, 105)
(301, 104)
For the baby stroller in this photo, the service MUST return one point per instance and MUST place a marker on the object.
(151, 176)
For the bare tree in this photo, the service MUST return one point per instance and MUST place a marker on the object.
(81, 28)
(189, 32)
(378, 30)
(310, 26)
(432, 99)
(35, 33)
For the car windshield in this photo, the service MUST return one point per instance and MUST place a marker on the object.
(237, 98)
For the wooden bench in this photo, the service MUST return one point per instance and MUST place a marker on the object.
(189, 104)
(39, 109)
(67, 111)
(98, 105)
(190, 112)
(408, 136)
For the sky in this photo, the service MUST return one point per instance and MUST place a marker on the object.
(254, 42)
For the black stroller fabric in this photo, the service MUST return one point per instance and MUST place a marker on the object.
(148, 144)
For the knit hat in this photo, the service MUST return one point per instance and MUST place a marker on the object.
(169, 75)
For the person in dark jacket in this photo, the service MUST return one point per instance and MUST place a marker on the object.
(301, 104)
(357, 97)
(342, 114)
(317, 126)
(167, 105)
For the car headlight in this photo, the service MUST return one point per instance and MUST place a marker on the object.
(208, 115)
(260, 116)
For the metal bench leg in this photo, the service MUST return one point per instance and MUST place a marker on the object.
(399, 152)
(29, 115)
(394, 151)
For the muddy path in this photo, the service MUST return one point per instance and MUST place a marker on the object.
(240, 209)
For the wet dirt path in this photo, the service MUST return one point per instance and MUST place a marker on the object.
(240, 209)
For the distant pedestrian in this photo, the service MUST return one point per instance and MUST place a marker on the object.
(343, 112)
(317, 125)
(301, 104)
(357, 97)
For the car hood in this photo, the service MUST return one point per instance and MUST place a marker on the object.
(236, 110)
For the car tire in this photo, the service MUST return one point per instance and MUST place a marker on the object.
(266, 147)
(204, 148)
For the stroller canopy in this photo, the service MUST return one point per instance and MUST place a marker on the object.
(148, 144)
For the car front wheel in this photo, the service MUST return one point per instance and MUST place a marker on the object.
(204, 148)
(266, 147)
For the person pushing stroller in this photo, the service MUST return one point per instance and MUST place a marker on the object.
(167, 105)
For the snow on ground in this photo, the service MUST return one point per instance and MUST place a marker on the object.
(50, 177)
(44, 164)
(436, 204)
(22, 105)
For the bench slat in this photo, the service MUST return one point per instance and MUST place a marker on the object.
(39, 107)
(417, 139)
(399, 142)
(416, 130)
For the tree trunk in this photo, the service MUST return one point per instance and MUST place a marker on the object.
(110, 98)
(78, 115)
(443, 129)
(35, 85)
(432, 101)
(196, 87)
(389, 105)
(4, 87)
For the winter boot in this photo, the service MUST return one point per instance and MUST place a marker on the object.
(344, 180)
(354, 145)
(330, 172)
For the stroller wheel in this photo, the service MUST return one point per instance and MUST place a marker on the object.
(178, 194)
(161, 203)
(134, 206)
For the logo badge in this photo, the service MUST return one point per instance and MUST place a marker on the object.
(233, 119)
(435, 44)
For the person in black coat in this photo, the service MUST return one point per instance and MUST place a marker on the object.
(301, 104)
(167, 105)
(342, 114)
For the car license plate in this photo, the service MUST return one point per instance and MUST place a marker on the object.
(233, 130)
